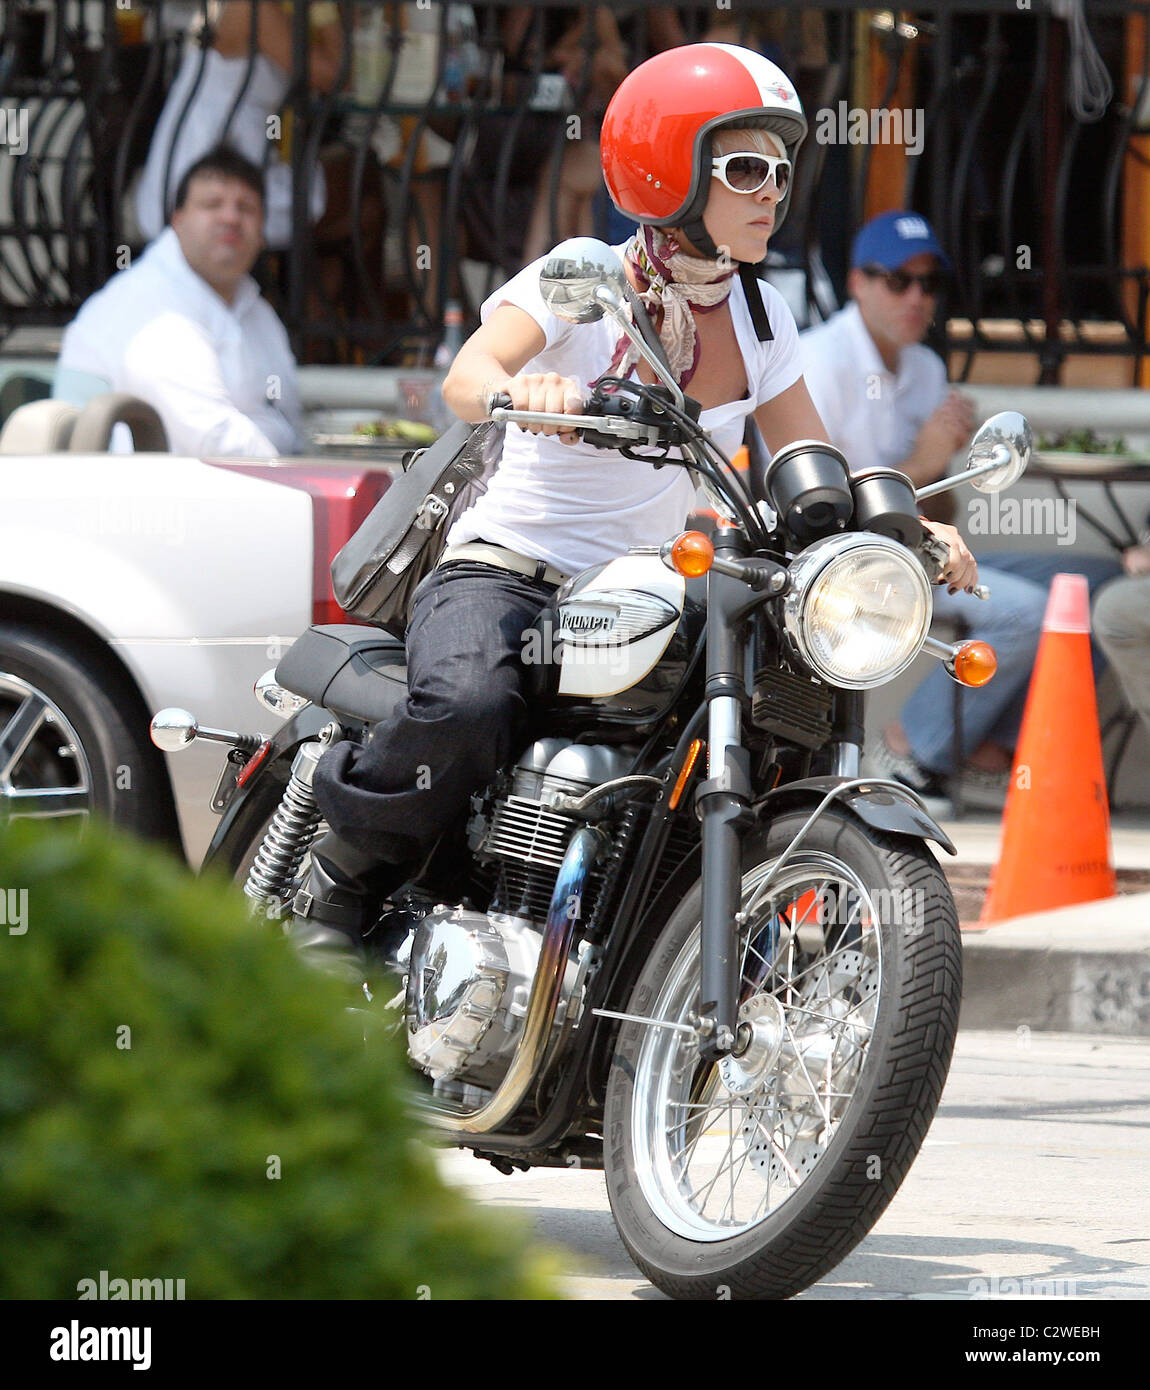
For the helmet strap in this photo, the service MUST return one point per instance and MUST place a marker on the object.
(755, 303)
(700, 239)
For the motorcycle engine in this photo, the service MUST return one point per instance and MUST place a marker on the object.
(470, 974)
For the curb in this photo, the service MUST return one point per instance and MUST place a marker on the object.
(1078, 969)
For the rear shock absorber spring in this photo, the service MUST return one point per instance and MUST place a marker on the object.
(290, 834)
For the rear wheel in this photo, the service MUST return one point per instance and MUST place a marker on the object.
(753, 1177)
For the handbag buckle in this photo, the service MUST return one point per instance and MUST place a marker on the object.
(431, 512)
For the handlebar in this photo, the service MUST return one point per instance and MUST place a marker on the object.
(615, 419)
(607, 421)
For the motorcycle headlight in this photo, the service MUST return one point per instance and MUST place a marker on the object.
(858, 609)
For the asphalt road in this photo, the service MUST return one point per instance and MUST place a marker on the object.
(1036, 1169)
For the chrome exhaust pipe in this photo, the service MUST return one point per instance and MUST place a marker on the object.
(585, 845)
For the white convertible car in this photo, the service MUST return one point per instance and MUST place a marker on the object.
(129, 582)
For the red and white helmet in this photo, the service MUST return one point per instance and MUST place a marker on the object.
(656, 138)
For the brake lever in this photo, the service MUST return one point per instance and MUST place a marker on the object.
(605, 424)
(933, 554)
(610, 428)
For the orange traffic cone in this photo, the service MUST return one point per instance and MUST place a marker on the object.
(1056, 832)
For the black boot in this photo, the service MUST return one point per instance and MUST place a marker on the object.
(338, 905)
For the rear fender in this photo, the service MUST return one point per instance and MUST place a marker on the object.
(256, 800)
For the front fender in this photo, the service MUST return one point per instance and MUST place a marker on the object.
(251, 806)
(883, 805)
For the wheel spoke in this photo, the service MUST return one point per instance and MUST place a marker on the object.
(779, 1153)
(43, 803)
(817, 964)
(713, 1162)
(19, 732)
(724, 1167)
(684, 1158)
(803, 1067)
(830, 1019)
(792, 927)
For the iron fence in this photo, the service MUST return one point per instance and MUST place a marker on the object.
(420, 151)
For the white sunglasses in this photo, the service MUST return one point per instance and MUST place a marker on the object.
(747, 172)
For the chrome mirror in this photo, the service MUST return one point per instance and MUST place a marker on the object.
(580, 278)
(1000, 452)
(173, 729)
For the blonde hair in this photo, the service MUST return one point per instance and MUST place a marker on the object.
(730, 139)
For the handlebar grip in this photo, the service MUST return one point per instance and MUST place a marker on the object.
(500, 400)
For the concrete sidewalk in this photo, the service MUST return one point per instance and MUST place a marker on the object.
(1079, 969)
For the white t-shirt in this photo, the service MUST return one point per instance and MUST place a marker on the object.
(222, 376)
(574, 505)
(871, 413)
(203, 98)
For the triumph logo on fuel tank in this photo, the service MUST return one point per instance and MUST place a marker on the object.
(560, 646)
(583, 624)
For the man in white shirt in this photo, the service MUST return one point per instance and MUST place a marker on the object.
(872, 380)
(187, 330)
(884, 399)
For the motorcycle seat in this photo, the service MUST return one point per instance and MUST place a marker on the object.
(359, 672)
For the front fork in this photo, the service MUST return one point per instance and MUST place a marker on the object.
(724, 804)
(724, 800)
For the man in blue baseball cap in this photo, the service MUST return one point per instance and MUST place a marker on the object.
(867, 369)
(885, 401)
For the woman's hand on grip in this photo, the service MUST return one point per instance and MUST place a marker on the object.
(961, 568)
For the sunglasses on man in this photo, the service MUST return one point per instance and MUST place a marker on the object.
(746, 172)
(899, 281)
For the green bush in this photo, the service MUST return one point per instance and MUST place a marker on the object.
(159, 1056)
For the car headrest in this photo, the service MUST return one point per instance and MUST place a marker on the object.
(93, 430)
(40, 427)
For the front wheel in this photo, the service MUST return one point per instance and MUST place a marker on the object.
(753, 1177)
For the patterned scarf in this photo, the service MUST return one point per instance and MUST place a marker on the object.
(678, 284)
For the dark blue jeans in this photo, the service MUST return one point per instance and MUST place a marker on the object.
(465, 715)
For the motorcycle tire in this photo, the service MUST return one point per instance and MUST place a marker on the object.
(754, 1176)
(69, 742)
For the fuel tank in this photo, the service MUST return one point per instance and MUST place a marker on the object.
(614, 644)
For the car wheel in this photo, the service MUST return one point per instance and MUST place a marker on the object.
(69, 748)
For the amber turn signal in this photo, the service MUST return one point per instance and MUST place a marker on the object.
(973, 663)
(692, 553)
(689, 761)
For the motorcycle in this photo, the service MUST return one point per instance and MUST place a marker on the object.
(681, 937)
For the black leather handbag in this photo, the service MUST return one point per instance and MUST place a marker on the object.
(376, 573)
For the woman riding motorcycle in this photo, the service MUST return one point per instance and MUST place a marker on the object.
(698, 145)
